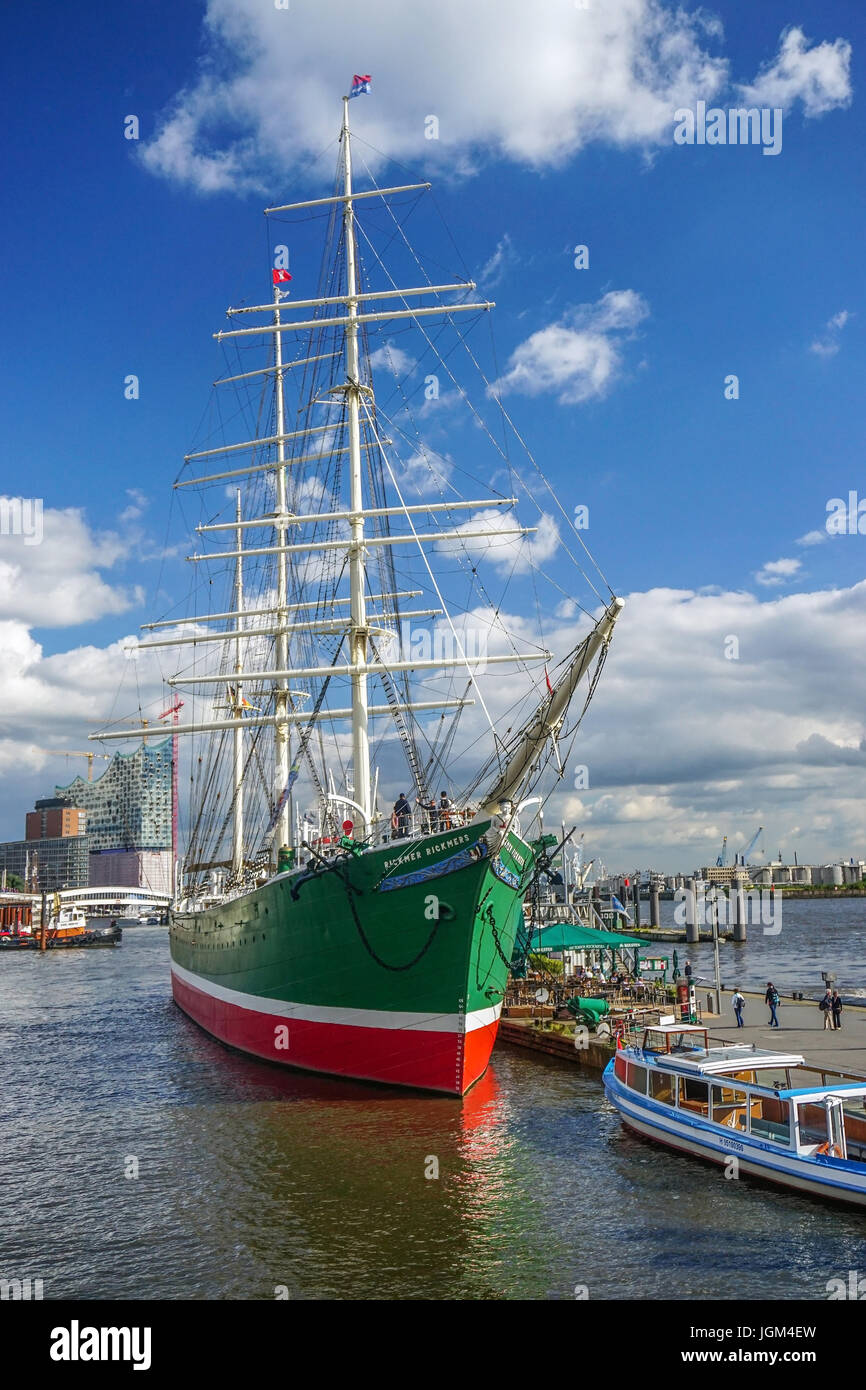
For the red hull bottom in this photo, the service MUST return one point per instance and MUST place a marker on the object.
(426, 1060)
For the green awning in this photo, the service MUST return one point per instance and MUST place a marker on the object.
(568, 936)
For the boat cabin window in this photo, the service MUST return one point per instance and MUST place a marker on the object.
(619, 1067)
(730, 1107)
(854, 1119)
(636, 1078)
(663, 1087)
(694, 1096)
(771, 1119)
(812, 1123)
(747, 1076)
(772, 1076)
(660, 1040)
(807, 1076)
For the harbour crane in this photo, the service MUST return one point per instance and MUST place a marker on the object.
(723, 857)
(74, 753)
(751, 845)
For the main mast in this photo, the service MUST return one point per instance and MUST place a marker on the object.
(238, 733)
(282, 829)
(357, 566)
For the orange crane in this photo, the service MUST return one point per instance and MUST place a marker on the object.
(67, 753)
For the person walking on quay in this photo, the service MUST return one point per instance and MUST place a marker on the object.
(826, 1007)
(836, 1006)
(738, 1002)
(771, 999)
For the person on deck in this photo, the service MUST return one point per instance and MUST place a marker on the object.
(738, 1002)
(401, 816)
(687, 971)
(826, 1007)
(771, 999)
(446, 806)
(836, 1006)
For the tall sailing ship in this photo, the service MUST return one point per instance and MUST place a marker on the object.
(349, 939)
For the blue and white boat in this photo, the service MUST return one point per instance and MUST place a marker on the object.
(783, 1121)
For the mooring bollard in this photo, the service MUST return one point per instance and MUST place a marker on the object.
(693, 935)
(738, 911)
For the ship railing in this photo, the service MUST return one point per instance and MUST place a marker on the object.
(419, 825)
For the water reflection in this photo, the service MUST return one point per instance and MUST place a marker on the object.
(251, 1178)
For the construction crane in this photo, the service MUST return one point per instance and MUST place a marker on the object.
(73, 753)
(723, 857)
(751, 845)
(173, 712)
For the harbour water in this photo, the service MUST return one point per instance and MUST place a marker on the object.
(815, 935)
(253, 1181)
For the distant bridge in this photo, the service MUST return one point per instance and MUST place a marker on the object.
(112, 902)
(121, 902)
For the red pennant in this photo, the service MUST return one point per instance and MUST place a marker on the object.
(280, 276)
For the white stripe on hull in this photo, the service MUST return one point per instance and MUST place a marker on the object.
(356, 1018)
(786, 1169)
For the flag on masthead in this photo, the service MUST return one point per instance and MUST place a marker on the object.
(280, 276)
(360, 85)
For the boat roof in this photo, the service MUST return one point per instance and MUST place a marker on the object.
(718, 1060)
(848, 1088)
(675, 1028)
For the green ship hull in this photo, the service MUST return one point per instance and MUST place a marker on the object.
(387, 966)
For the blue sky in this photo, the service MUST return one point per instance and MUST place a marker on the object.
(117, 261)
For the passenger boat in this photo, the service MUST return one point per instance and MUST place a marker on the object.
(782, 1121)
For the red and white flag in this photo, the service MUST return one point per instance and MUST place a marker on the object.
(280, 276)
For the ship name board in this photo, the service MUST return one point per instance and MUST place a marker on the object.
(450, 843)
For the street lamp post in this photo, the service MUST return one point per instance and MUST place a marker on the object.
(714, 912)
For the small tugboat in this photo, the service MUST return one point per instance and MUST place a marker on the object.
(66, 927)
(776, 1116)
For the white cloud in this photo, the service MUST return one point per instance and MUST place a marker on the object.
(394, 359)
(494, 270)
(578, 358)
(683, 745)
(818, 76)
(812, 538)
(59, 583)
(828, 345)
(548, 84)
(509, 554)
(136, 507)
(776, 572)
(423, 474)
